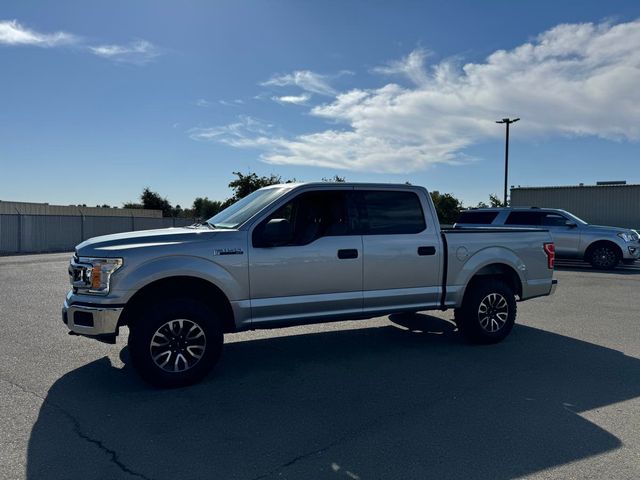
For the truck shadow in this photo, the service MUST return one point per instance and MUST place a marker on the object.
(386, 402)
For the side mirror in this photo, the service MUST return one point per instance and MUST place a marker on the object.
(277, 231)
(571, 224)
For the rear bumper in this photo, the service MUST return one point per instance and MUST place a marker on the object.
(93, 321)
(554, 285)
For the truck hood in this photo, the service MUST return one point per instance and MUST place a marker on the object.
(115, 244)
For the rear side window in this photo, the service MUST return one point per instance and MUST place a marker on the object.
(480, 218)
(389, 212)
(524, 218)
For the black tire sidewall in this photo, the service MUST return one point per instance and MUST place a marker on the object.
(609, 266)
(144, 327)
(467, 316)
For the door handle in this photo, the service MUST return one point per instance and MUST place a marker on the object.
(348, 253)
(426, 251)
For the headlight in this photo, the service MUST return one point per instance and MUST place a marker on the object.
(628, 236)
(93, 275)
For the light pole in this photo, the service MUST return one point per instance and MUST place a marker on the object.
(507, 122)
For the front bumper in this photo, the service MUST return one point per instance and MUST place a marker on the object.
(631, 251)
(91, 320)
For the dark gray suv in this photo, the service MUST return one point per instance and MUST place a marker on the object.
(603, 247)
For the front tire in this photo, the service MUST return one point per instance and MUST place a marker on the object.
(175, 342)
(488, 312)
(604, 257)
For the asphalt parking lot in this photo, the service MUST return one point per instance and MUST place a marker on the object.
(560, 398)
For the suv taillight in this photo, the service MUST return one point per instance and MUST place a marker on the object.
(550, 250)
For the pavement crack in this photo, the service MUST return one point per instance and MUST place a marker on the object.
(113, 455)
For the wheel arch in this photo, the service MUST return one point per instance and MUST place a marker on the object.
(602, 243)
(183, 286)
(496, 271)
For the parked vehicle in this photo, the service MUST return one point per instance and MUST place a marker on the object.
(603, 247)
(295, 254)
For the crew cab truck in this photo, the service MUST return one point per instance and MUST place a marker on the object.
(603, 247)
(294, 254)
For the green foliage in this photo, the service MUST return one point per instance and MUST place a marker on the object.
(153, 201)
(246, 184)
(447, 206)
(335, 179)
(132, 205)
(494, 201)
(204, 208)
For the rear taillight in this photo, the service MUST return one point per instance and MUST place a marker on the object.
(550, 250)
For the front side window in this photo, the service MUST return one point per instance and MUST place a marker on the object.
(554, 220)
(387, 212)
(304, 219)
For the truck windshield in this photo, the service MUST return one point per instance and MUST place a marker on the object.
(245, 208)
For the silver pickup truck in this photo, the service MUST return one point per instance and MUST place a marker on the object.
(294, 254)
(603, 247)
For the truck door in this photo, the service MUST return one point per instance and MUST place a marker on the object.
(312, 267)
(402, 254)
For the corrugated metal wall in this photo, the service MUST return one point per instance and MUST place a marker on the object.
(615, 205)
(27, 208)
(55, 233)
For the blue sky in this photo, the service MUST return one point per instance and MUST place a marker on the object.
(98, 100)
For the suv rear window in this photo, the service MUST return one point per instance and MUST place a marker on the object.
(479, 218)
(524, 218)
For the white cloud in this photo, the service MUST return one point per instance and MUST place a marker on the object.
(293, 99)
(412, 66)
(137, 52)
(246, 132)
(13, 33)
(304, 79)
(572, 80)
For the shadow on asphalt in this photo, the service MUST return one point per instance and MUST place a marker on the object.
(387, 402)
(584, 267)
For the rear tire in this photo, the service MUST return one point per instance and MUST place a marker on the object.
(488, 312)
(175, 342)
(604, 257)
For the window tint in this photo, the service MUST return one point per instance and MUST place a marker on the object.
(554, 220)
(389, 212)
(524, 218)
(481, 218)
(308, 217)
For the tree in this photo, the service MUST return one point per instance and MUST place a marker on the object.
(335, 179)
(205, 208)
(246, 184)
(153, 201)
(494, 201)
(447, 206)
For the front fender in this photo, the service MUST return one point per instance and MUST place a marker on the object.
(230, 279)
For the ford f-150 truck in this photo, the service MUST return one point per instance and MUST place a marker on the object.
(294, 254)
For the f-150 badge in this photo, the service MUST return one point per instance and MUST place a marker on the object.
(228, 251)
